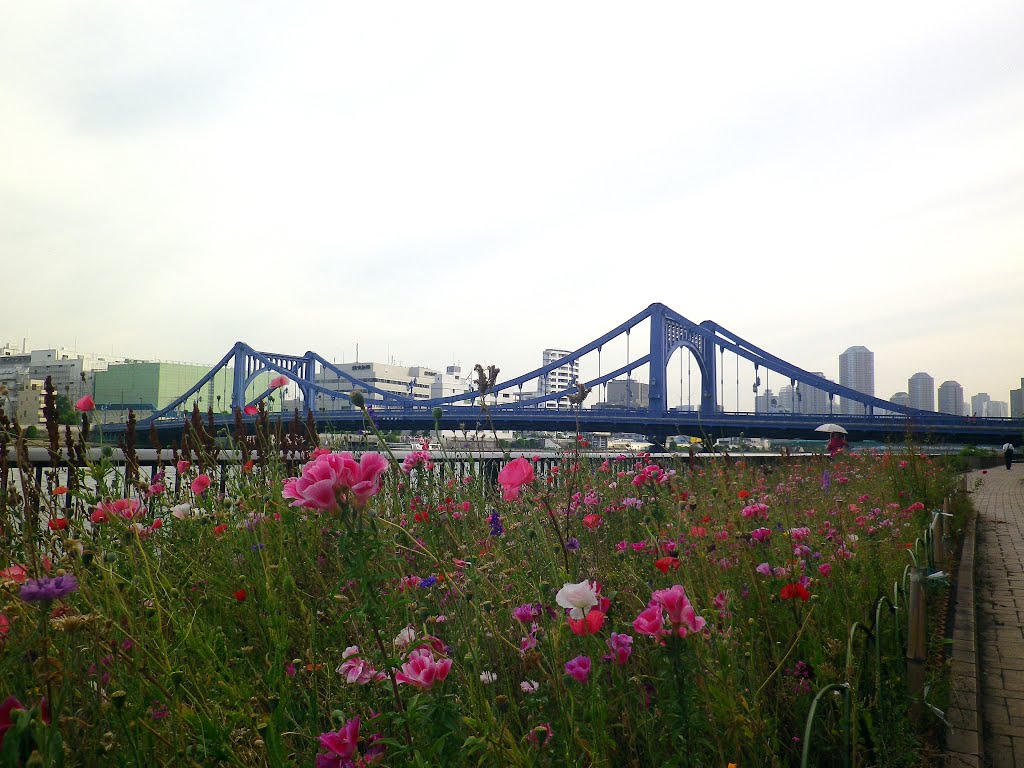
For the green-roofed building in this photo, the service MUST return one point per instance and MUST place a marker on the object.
(145, 387)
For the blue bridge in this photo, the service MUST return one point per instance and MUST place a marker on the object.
(661, 333)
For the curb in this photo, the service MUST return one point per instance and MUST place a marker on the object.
(964, 731)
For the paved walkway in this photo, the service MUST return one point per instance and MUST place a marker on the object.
(999, 608)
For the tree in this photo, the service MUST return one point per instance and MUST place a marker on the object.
(66, 411)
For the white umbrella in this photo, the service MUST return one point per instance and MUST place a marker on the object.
(830, 428)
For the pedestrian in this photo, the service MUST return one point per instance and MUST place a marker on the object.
(836, 443)
(1008, 454)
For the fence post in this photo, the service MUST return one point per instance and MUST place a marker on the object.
(938, 545)
(917, 639)
(947, 526)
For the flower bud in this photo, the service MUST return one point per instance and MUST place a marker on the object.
(356, 398)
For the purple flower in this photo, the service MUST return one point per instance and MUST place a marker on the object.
(48, 588)
(573, 544)
(428, 582)
(497, 529)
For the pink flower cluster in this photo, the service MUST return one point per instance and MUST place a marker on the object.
(126, 509)
(682, 618)
(422, 670)
(355, 669)
(334, 478)
(417, 459)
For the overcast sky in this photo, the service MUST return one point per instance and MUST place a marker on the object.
(475, 182)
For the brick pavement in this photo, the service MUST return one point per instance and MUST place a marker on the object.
(998, 689)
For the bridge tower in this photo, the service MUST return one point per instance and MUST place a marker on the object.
(670, 332)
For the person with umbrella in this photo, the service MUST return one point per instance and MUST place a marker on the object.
(836, 441)
(1008, 454)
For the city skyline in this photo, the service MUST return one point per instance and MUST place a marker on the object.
(431, 183)
(912, 391)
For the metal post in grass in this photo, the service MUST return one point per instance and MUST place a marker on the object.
(917, 639)
(938, 544)
(947, 518)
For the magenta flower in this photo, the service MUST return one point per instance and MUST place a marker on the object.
(85, 404)
(6, 708)
(334, 478)
(250, 410)
(650, 621)
(526, 612)
(278, 381)
(514, 476)
(340, 746)
(578, 669)
(681, 615)
(422, 670)
(357, 670)
(825, 569)
(620, 646)
(417, 459)
(761, 534)
(764, 569)
(200, 484)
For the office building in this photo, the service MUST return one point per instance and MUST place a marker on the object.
(951, 398)
(900, 398)
(145, 386)
(921, 387)
(558, 379)
(857, 371)
(627, 393)
(979, 403)
(70, 372)
(996, 409)
(1017, 402)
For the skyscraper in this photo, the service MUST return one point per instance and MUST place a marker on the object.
(951, 398)
(978, 403)
(900, 398)
(558, 379)
(857, 371)
(922, 391)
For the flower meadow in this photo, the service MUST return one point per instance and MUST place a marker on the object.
(335, 609)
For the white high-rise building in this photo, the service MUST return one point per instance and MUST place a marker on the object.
(922, 391)
(558, 379)
(951, 398)
(978, 403)
(996, 409)
(857, 371)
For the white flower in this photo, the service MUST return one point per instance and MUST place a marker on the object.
(529, 686)
(181, 511)
(405, 637)
(578, 597)
(487, 677)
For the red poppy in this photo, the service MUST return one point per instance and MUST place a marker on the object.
(240, 595)
(744, 494)
(60, 490)
(589, 624)
(793, 591)
(250, 410)
(247, 467)
(592, 521)
(57, 523)
(421, 517)
(158, 523)
(664, 564)
(220, 529)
